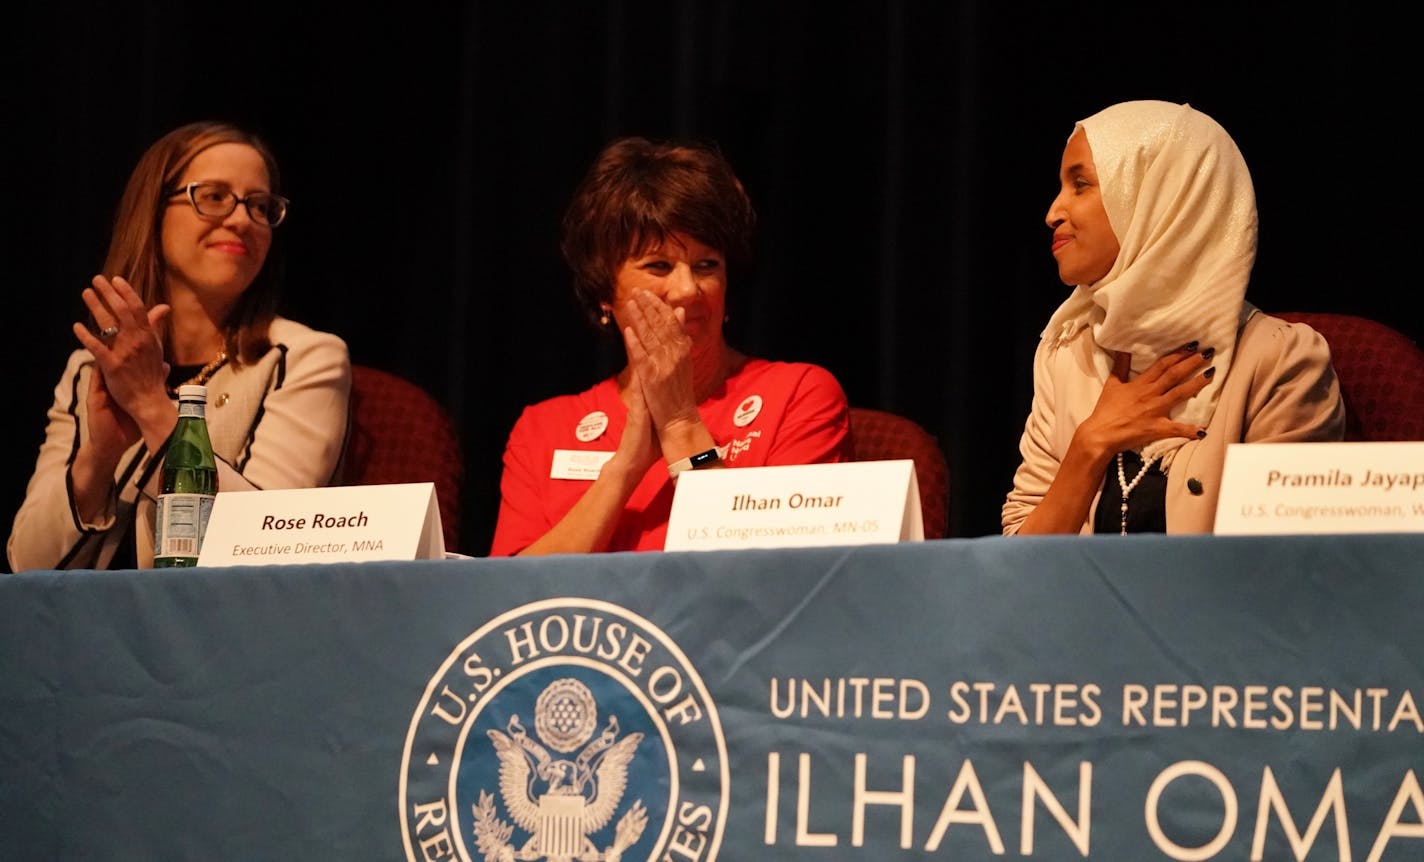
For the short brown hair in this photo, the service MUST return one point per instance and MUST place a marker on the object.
(136, 246)
(635, 194)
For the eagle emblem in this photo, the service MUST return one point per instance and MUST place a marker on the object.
(560, 796)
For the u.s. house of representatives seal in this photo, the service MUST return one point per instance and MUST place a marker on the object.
(566, 730)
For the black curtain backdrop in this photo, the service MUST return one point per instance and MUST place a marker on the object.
(901, 156)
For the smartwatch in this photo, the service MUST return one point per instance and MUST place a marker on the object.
(701, 461)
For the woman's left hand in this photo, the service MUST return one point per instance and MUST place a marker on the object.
(108, 425)
(660, 357)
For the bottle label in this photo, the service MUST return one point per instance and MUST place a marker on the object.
(190, 408)
(179, 525)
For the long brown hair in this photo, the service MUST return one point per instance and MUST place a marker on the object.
(136, 247)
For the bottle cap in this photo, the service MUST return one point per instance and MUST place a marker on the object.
(193, 392)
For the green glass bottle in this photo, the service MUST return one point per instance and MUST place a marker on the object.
(189, 485)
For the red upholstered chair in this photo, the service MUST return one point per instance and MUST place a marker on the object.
(1381, 375)
(877, 435)
(400, 434)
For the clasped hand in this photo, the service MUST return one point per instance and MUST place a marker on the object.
(662, 400)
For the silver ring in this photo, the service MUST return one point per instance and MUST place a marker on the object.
(108, 332)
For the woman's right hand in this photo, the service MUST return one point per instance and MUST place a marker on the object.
(130, 361)
(589, 524)
(638, 447)
(1130, 414)
(127, 398)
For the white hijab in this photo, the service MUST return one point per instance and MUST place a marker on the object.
(1180, 200)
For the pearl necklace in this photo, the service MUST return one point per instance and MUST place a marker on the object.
(1127, 486)
(204, 374)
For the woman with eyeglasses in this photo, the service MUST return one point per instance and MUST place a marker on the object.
(650, 236)
(187, 295)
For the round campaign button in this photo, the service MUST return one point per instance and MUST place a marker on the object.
(592, 426)
(747, 411)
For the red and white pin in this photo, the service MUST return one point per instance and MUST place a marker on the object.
(592, 426)
(747, 411)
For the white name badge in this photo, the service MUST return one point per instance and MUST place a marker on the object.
(577, 464)
(1288, 488)
(852, 503)
(324, 525)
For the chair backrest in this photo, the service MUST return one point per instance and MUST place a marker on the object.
(1381, 375)
(399, 434)
(877, 435)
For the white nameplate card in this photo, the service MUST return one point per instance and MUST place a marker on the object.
(577, 464)
(852, 503)
(354, 523)
(1291, 488)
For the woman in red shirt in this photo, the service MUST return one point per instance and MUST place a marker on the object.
(649, 235)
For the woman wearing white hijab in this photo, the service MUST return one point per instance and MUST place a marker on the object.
(1156, 362)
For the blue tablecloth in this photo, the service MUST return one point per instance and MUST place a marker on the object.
(1109, 698)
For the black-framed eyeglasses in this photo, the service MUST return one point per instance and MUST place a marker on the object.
(216, 200)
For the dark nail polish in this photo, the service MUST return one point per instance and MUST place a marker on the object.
(1190, 347)
(1195, 487)
(1208, 353)
(1201, 433)
(1209, 372)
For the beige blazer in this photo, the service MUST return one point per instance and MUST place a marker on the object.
(1280, 388)
(277, 423)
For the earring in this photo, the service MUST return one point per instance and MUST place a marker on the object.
(604, 320)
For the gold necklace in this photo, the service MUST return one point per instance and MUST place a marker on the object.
(204, 374)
